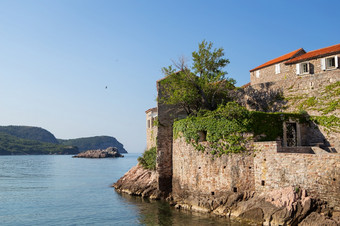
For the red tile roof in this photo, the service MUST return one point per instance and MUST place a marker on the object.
(279, 59)
(316, 53)
(151, 109)
(246, 85)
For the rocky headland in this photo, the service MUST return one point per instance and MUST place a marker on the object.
(139, 181)
(110, 152)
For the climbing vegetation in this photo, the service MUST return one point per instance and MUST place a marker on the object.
(326, 101)
(330, 123)
(229, 128)
(148, 159)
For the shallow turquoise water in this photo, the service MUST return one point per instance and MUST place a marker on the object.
(60, 190)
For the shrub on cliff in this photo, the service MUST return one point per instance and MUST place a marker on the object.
(148, 159)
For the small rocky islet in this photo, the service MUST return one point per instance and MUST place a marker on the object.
(111, 152)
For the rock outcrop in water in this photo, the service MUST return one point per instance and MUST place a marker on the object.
(139, 181)
(110, 152)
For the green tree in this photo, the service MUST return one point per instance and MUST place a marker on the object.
(200, 86)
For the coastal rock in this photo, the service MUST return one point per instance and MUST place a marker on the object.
(286, 206)
(316, 219)
(110, 152)
(139, 181)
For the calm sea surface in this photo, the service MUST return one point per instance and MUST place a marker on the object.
(60, 190)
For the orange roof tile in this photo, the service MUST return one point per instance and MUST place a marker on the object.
(316, 53)
(279, 59)
(246, 85)
(151, 109)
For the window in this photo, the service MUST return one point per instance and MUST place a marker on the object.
(329, 63)
(302, 68)
(257, 74)
(277, 68)
(305, 68)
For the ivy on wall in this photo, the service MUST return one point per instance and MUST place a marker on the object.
(227, 127)
(325, 101)
(331, 123)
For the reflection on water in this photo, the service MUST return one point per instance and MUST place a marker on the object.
(153, 212)
(60, 190)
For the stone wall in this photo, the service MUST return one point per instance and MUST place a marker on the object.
(166, 116)
(288, 72)
(307, 84)
(319, 174)
(268, 97)
(198, 174)
(151, 128)
(268, 74)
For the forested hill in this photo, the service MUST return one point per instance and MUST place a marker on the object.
(93, 143)
(11, 145)
(35, 140)
(29, 133)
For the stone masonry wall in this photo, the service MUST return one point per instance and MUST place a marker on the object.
(306, 84)
(151, 129)
(319, 174)
(199, 174)
(288, 72)
(263, 97)
(267, 74)
(166, 116)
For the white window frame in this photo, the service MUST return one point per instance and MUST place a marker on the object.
(277, 69)
(257, 74)
(325, 63)
(297, 69)
(302, 67)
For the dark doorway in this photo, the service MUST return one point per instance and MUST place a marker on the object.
(291, 134)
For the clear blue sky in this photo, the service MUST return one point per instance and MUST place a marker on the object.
(57, 57)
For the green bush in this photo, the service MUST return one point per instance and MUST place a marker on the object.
(148, 159)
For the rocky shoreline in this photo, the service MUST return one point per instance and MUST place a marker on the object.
(139, 181)
(110, 152)
(285, 206)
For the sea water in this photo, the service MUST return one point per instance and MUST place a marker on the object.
(61, 190)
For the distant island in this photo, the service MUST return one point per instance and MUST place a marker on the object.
(110, 152)
(28, 140)
(94, 143)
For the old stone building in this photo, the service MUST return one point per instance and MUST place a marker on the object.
(298, 64)
(151, 128)
(297, 159)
